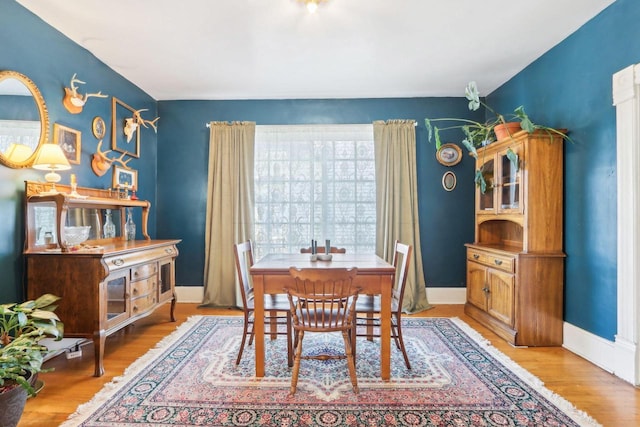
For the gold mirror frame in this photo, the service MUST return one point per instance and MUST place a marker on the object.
(42, 111)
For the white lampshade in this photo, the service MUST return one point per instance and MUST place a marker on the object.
(51, 158)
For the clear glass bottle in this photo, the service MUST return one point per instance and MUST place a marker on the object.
(130, 227)
(109, 228)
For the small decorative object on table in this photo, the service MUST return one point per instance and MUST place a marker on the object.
(75, 235)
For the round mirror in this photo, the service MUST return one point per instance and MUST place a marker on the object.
(24, 121)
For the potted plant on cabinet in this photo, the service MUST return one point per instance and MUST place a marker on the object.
(22, 326)
(478, 134)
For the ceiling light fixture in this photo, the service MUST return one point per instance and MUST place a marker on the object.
(312, 5)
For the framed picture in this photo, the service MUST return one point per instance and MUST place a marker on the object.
(98, 127)
(124, 178)
(449, 181)
(124, 139)
(449, 154)
(69, 140)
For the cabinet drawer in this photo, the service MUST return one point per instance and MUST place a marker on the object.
(142, 304)
(145, 270)
(143, 287)
(501, 262)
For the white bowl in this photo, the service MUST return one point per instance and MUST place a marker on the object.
(325, 257)
(76, 235)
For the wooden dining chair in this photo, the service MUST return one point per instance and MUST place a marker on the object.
(332, 249)
(276, 307)
(323, 300)
(368, 306)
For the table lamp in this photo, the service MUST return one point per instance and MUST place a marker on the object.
(51, 158)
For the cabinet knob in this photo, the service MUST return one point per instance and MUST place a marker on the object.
(476, 256)
(498, 261)
(169, 250)
(485, 290)
(118, 262)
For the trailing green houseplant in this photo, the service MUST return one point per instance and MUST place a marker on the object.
(22, 326)
(478, 134)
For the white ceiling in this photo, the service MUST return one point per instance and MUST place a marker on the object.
(275, 49)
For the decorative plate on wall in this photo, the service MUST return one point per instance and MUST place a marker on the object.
(449, 154)
(98, 127)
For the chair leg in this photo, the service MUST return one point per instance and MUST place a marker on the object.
(245, 327)
(346, 335)
(370, 326)
(296, 363)
(398, 327)
(289, 343)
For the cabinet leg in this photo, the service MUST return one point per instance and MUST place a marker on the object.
(99, 339)
(173, 307)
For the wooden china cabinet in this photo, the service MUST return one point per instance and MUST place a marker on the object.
(515, 266)
(106, 283)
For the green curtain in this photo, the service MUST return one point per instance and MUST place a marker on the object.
(230, 213)
(397, 203)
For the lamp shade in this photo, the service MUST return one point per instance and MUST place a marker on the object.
(51, 157)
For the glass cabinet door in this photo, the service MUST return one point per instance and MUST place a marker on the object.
(486, 200)
(510, 194)
(117, 297)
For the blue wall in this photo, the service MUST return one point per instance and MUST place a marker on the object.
(49, 59)
(570, 87)
(446, 219)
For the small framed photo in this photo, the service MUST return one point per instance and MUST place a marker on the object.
(449, 155)
(449, 181)
(124, 178)
(69, 140)
(98, 127)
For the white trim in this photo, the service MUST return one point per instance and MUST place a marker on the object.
(626, 98)
(195, 294)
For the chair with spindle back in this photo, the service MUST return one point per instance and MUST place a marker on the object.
(322, 301)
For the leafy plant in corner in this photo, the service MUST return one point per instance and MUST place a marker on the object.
(22, 326)
(478, 134)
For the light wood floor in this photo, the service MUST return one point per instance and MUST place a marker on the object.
(608, 399)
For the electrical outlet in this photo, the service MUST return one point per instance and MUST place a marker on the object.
(74, 354)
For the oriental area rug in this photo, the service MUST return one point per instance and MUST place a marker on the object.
(457, 379)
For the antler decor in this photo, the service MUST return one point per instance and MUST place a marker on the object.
(73, 101)
(100, 163)
(131, 124)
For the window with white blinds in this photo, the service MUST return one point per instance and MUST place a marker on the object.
(314, 182)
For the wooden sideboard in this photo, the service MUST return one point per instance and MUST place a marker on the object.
(104, 284)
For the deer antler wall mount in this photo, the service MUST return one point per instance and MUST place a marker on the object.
(132, 123)
(74, 101)
(100, 163)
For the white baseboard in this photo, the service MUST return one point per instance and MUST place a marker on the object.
(617, 358)
(192, 294)
(195, 294)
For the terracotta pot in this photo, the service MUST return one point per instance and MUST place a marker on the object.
(506, 130)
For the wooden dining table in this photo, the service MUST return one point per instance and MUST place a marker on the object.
(375, 277)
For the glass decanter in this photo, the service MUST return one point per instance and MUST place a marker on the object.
(109, 228)
(130, 227)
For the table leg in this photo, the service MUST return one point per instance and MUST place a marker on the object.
(385, 328)
(258, 323)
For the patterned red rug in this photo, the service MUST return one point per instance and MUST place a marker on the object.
(457, 379)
